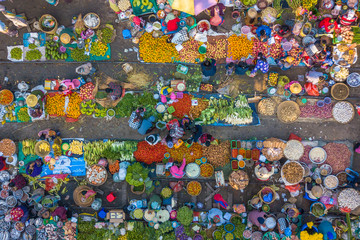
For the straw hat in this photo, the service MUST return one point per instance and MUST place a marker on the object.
(31, 100)
(252, 13)
(65, 38)
(295, 88)
(262, 4)
(317, 191)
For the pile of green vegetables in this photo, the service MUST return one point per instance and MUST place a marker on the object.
(232, 111)
(16, 53)
(114, 150)
(136, 174)
(52, 51)
(33, 55)
(131, 102)
(185, 216)
(79, 55)
(87, 231)
(23, 115)
(105, 34)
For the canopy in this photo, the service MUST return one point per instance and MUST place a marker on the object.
(193, 7)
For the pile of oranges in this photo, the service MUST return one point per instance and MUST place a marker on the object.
(55, 105)
(239, 46)
(157, 49)
(73, 109)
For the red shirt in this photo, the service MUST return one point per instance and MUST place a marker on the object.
(172, 25)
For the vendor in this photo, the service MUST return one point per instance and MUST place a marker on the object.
(349, 18)
(18, 182)
(206, 139)
(261, 64)
(136, 118)
(2, 163)
(217, 19)
(241, 68)
(178, 172)
(257, 218)
(263, 173)
(85, 69)
(53, 2)
(327, 230)
(263, 33)
(284, 31)
(329, 24)
(286, 63)
(115, 90)
(208, 67)
(34, 168)
(172, 23)
(196, 132)
(20, 213)
(48, 134)
(215, 217)
(230, 67)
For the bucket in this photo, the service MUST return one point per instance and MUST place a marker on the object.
(202, 49)
(76, 82)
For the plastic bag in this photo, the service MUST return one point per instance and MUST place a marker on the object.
(311, 89)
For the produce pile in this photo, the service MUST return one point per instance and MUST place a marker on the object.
(52, 51)
(292, 172)
(23, 115)
(217, 48)
(157, 49)
(234, 111)
(182, 106)
(55, 105)
(190, 154)
(343, 112)
(190, 51)
(105, 34)
(98, 48)
(16, 53)
(314, 111)
(260, 47)
(349, 198)
(33, 55)
(78, 55)
(86, 91)
(195, 111)
(73, 108)
(239, 47)
(218, 155)
(149, 154)
(338, 156)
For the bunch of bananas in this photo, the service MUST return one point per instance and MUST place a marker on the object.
(88, 107)
(93, 151)
(143, 4)
(10, 113)
(28, 147)
(100, 113)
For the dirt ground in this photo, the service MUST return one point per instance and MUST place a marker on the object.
(90, 128)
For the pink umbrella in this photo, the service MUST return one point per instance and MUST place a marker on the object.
(193, 7)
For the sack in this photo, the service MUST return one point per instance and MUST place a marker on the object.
(311, 89)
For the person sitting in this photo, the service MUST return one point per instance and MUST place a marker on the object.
(261, 64)
(48, 134)
(34, 168)
(217, 19)
(329, 24)
(208, 67)
(115, 90)
(230, 68)
(206, 139)
(263, 32)
(136, 118)
(257, 218)
(284, 31)
(85, 69)
(178, 172)
(2, 163)
(241, 68)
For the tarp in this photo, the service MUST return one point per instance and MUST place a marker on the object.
(193, 7)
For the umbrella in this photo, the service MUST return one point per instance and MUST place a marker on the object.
(114, 6)
(193, 7)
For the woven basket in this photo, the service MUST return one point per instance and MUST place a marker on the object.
(78, 195)
(51, 31)
(37, 151)
(266, 190)
(137, 192)
(340, 91)
(350, 118)
(96, 25)
(99, 184)
(110, 27)
(187, 186)
(295, 111)
(239, 180)
(267, 107)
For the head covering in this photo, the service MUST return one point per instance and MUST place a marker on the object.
(317, 191)
(252, 13)
(65, 38)
(295, 88)
(31, 100)
(261, 220)
(270, 222)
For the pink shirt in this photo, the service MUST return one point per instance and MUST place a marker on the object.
(254, 215)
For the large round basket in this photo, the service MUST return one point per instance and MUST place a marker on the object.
(193, 182)
(266, 190)
(79, 198)
(299, 168)
(109, 27)
(288, 111)
(350, 118)
(273, 149)
(340, 91)
(89, 26)
(238, 180)
(10, 97)
(52, 31)
(294, 150)
(137, 192)
(105, 178)
(267, 107)
(38, 151)
(7, 147)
